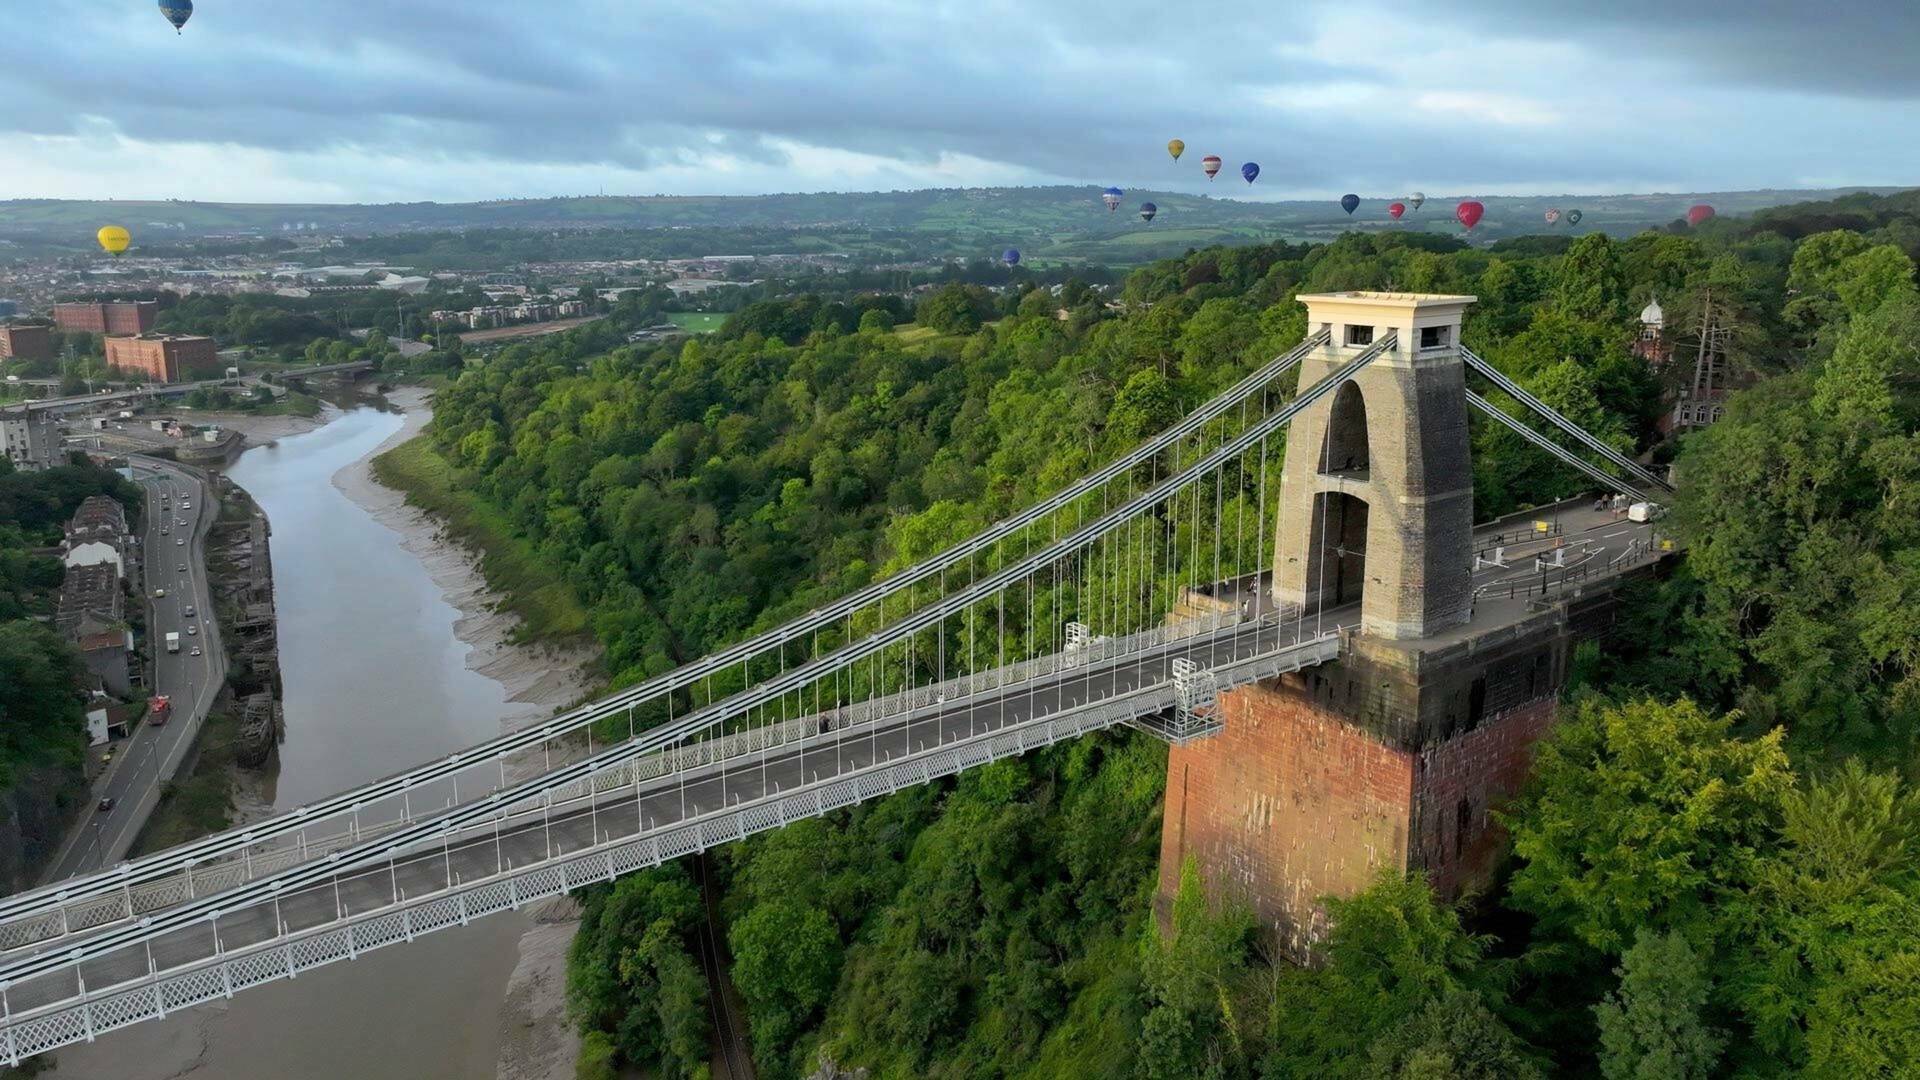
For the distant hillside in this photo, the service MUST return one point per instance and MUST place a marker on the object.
(1048, 222)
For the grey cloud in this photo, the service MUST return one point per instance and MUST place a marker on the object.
(1083, 91)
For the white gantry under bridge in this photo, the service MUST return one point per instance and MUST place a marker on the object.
(1134, 596)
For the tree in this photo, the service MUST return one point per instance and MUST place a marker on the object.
(1651, 1027)
(876, 321)
(1641, 814)
(1146, 404)
(1188, 972)
(954, 309)
(1453, 1037)
(1590, 283)
(786, 958)
(1392, 951)
(1828, 969)
(41, 720)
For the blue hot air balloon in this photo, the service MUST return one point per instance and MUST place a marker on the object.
(1011, 256)
(1349, 203)
(1250, 171)
(1111, 197)
(177, 12)
(1147, 210)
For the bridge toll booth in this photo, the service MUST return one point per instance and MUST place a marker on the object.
(1391, 756)
(1377, 489)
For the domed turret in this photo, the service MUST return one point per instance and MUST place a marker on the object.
(1651, 315)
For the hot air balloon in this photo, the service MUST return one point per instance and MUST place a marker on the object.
(1111, 197)
(1176, 147)
(1699, 213)
(1553, 217)
(1210, 165)
(1250, 171)
(1147, 210)
(1011, 257)
(1394, 210)
(1573, 218)
(1349, 203)
(1417, 199)
(1469, 213)
(177, 12)
(114, 239)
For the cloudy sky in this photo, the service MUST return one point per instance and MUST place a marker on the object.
(393, 100)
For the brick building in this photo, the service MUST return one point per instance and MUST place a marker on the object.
(164, 357)
(112, 317)
(26, 343)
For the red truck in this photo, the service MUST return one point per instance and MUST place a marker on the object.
(158, 709)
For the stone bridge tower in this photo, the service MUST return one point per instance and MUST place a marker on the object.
(1376, 503)
(1391, 757)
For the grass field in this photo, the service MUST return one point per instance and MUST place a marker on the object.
(700, 322)
(915, 334)
(545, 603)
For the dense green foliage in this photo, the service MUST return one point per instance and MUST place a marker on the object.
(998, 925)
(41, 718)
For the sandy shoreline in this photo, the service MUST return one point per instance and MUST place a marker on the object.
(537, 1042)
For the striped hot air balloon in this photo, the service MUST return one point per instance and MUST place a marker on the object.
(1210, 165)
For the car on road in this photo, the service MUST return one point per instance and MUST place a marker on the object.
(178, 540)
(183, 568)
(106, 804)
(189, 612)
(195, 652)
(181, 522)
(165, 531)
(192, 629)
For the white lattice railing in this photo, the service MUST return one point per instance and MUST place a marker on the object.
(202, 879)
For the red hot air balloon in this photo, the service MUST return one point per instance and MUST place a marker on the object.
(1699, 213)
(1210, 165)
(1469, 213)
(1394, 210)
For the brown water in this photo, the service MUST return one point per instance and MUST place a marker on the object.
(375, 679)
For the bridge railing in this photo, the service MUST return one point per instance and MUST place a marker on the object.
(285, 952)
(202, 879)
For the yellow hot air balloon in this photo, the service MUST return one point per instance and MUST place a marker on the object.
(114, 239)
(1176, 147)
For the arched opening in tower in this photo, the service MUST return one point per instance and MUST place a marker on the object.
(1345, 450)
(1340, 541)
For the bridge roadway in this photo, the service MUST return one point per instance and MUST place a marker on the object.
(670, 814)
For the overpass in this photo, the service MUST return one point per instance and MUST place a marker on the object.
(1144, 594)
(155, 391)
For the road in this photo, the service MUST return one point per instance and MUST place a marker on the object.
(150, 755)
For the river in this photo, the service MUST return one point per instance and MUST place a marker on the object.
(376, 677)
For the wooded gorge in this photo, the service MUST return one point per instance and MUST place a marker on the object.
(1712, 868)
